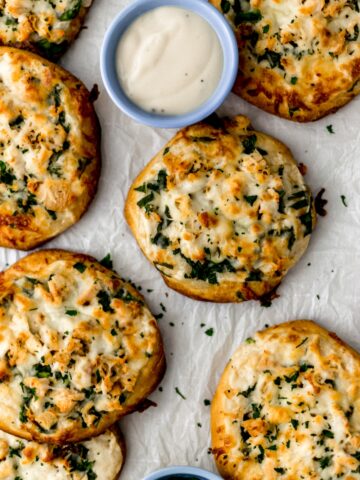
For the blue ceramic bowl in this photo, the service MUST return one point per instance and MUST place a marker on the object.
(108, 63)
(190, 473)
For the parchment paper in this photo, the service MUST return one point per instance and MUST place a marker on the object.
(324, 286)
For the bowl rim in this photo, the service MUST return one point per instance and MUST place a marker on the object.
(182, 469)
(227, 41)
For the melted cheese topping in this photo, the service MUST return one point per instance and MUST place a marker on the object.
(298, 58)
(49, 153)
(223, 205)
(99, 458)
(41, 25)
(287, 407)
(74, 341)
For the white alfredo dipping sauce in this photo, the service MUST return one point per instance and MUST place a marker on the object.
(169, 61)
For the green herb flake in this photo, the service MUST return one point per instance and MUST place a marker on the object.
(107, 261)
(209, 332)
(105, 301)
(42, 371)
(207, 402)
(6, 174)
(295, 423)
(330, 129)
(250, 340)
(249, 144)
(344, 201)
(225, 6)
(246, 393)
(72, 12)
(293, 80)
(251, 199)
(71, 313)
(80, 267)
(266, 29)
(251, 16)
(179, 393)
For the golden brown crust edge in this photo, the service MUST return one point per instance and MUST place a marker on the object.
(154, 370)
(216, 411)
(227, 292)
(26, 240)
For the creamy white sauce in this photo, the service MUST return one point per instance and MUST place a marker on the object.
(169, 61)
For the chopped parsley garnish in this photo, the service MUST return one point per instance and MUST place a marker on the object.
(330, 129)
(251, 199)
(246, 393)
(302, 343)
(327, 434)
(29, 394)
(105, 301)
(251, 16)
(6, 174)
(42, 371)
(206, 270)
(179, 393)
(256, 410)
(209, 332)
(293, 80)
(161, 240)
(254, 276)
(72, 12)
(207, 402)
(16, 122)
(107, 262)
(225, 6)
(249, 144)
(71, 313)
(250, 340)
(324, 461)
(273, 58)
(295, 423)
(343, 199)
(16, 451)
(51, 49)
(279, 470)
(261, 455)
(80, 267)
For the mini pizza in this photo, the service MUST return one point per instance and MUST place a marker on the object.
(298, 59)
(287, 407)
(222, 211)
(78, 348)
(49, 149)
(100, 458)
(46, 27)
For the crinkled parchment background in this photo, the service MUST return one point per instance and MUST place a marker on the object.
(177, 430)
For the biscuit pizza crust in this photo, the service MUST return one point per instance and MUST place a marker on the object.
(99, 458)
(78, 348)
(287, 407)
(49, 149)
(46, 27)
(222, 211)
(298, 59)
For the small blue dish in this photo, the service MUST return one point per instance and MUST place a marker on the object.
(182, 472)
(108, 64)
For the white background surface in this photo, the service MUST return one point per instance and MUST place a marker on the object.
(169, 434)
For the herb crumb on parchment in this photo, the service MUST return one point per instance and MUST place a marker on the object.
(207, 402)
(209, 332)
(344, 201)
(107, 261)
(330, 128)
(179, 393)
